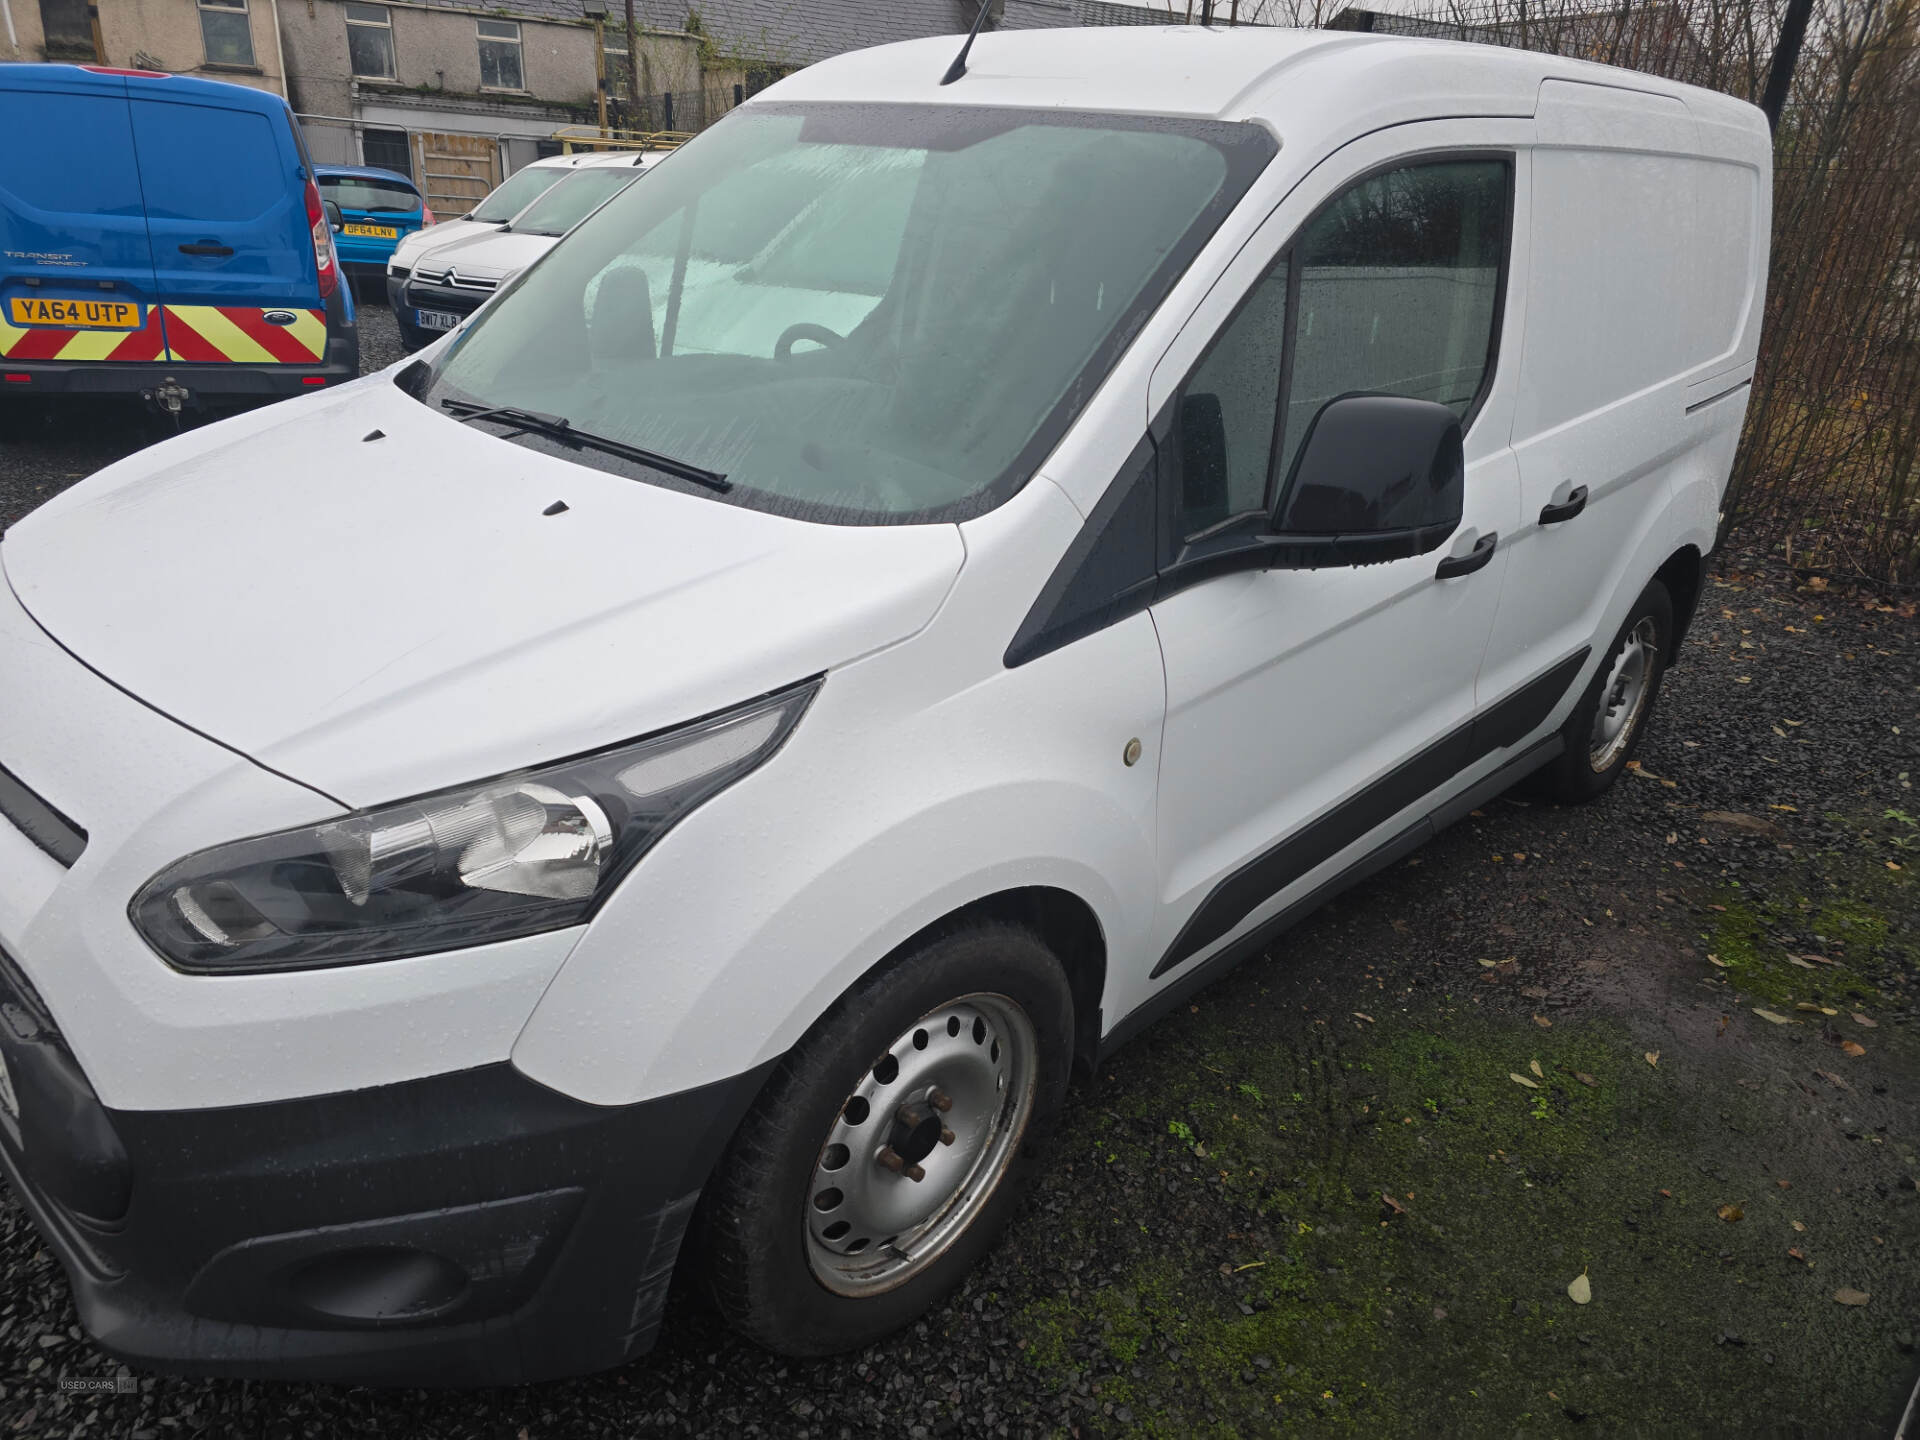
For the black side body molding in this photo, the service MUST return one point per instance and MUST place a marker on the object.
(1267, 874)
(1397, 848)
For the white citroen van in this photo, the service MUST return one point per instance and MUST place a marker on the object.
(603, 782)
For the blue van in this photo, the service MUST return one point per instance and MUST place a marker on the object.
(162, 236)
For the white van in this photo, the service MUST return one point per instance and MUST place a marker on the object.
(435, 279)
(469, 830)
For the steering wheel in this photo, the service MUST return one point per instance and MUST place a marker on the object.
(805, 330)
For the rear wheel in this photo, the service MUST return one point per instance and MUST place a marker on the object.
(1605, 728)
(892, 1144)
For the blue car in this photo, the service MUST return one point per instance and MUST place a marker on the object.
(162, 236)
(378, 208)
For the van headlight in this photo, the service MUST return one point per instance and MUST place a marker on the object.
(533, 851)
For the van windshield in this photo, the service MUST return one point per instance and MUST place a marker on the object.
(572, 200)
(519, 191)
(862, 314)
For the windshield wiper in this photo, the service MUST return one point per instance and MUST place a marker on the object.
(558, 427)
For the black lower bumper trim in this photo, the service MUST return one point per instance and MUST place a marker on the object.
(201, 381)
(474, 1228)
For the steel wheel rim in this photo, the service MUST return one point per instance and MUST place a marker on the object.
(1624, 696)
(871, 1226)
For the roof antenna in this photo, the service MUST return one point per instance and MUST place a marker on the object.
(959, 66)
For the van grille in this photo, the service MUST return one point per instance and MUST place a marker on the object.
(39, 821)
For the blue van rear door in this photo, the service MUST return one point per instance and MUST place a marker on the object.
(76, 269)
(232, 247)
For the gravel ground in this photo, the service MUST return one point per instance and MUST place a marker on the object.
(1326, 1200)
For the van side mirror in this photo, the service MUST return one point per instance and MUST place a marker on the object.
(1380, 477)
(332, 212)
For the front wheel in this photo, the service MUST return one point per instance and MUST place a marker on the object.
(892, 1143)
(1605, 728)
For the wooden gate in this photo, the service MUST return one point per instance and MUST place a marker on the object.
(455, 171)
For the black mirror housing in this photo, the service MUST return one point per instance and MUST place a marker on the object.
(332, 212)
(1380, 477)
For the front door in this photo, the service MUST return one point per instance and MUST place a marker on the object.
(1310, 713)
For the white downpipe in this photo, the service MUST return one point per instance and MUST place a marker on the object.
(13, 40)
(279, 50)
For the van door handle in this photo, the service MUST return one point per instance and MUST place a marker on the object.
(1475, 559)
(206, 249)
(1575, 502)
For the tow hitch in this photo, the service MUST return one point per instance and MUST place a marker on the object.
(169, 395)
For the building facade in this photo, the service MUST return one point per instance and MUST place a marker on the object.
(453, 95)
(458, 94)
(235, 40)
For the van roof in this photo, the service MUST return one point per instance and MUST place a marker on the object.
(1299, 82)
(154, 83)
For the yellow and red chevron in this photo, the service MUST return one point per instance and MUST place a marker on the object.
(241, 335)
(194, 334)
(50, 342)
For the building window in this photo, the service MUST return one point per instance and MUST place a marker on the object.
(370, 42)
(619, 63)
(226, 32)
(387, 149)
(500, 55)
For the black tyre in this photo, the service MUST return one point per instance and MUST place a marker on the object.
(891, 1145)
(1606, 727)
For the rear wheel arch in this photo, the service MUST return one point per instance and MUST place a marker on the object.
(1684, 575)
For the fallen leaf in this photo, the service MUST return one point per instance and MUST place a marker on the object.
(1833, 1079)
(1584, 1078)
(1653, 1058)
(1860, 1019)
(1790, 809)
(1489, 963)
(1849, 1047)
(1736, 820)
(1804, 965)
(1851, 1297)
(1720, 1025)
(1534, 1066)
(1358, 1016)
(1393, 1204)
(1546, 1024)
(1581, 1290)
(1784, 1184)
(1820, 959)
(1523, 1080)
(1668, 1194)
(1796, 1252)
(1731, 1213)
(1716, 960)
(1799, 1227)
(1534, 992)
(1812, 1009)
(1770, 1017)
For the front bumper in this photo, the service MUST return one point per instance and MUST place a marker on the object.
(407, 296)
(473, 1228)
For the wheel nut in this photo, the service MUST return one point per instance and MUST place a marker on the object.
(946, 1136)
(894, 1162)
(940, 1100)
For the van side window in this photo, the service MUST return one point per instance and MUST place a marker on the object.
(1227, 410)
(1399, 286)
